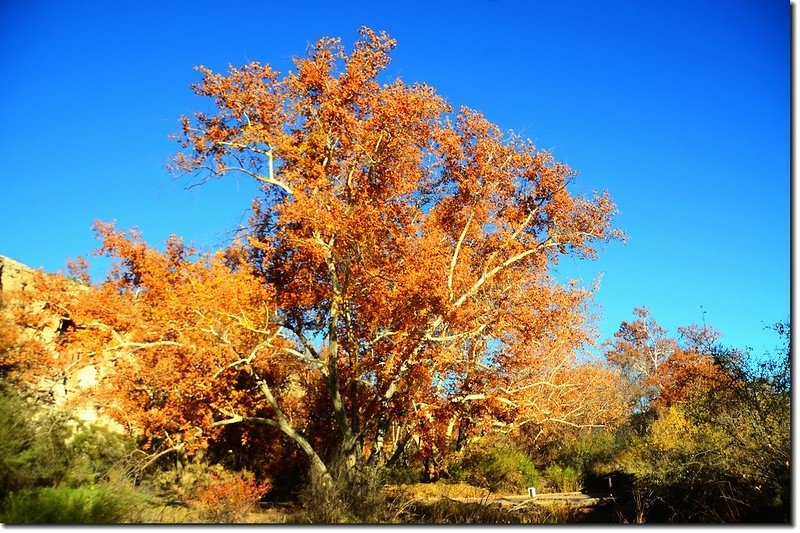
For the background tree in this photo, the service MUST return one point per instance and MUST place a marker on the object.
(754, 410)
(714, 444)
(663, 370)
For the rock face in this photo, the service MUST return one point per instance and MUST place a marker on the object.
(13, 275)
(74, 387)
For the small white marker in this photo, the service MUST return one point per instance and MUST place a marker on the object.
(531, 491)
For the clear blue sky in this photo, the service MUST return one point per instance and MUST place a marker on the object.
(680, 109)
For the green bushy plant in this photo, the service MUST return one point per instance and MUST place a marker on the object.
(50, 464)
(33, 449)
(456, 472)
(90, 504)
(563, 479)
(500, 467)
(401, 475)
(585, 452)
(45, 448)
(94, 452)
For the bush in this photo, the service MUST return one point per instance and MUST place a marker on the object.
(503, 468)
(355, 496)
(41, 448)
(226, 497)
(589, 452)
(401, 475)
(93, 504)
(212, 493)
(563, 479)
(455, 472)
(94, 452)
(33, 448)
(689, 469)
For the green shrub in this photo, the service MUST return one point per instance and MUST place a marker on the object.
(503, 468)
(44, 448)
(33, 449)
(456, 472)
(689, 469)
(563, 479)
(92, 504)
(587, 452)
(401, 475)
(93, 452)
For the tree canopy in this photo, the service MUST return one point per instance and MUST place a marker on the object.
(392, 285)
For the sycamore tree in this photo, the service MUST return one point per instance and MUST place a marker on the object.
(661, 369)
(393, 283)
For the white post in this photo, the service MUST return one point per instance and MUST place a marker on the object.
(531, 492)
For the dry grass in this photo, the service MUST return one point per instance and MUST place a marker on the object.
(170, 514)
(437, 490)
(425, 503)
(274, 514)
(490, 511)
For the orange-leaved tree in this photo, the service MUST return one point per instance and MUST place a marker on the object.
(664, 370)
(407, 247)
(393, 284)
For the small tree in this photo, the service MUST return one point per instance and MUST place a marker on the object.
(663, 370)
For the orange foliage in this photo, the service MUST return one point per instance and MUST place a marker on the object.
(9, 343)
(395, 275)
(668, 371)
(228, 497)
(641, 346)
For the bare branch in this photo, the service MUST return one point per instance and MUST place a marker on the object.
(454, 260)
(303, 340)
(142, 345)
(456, 336)
(505, 264)
(315, 363)
(269, 154)
(157, 456)
(539, 384)
(524, 224)
(382, 335)
(561, 421)
(236, 419)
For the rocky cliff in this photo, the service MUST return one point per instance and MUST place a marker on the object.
(71, 387)
(13, 275)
